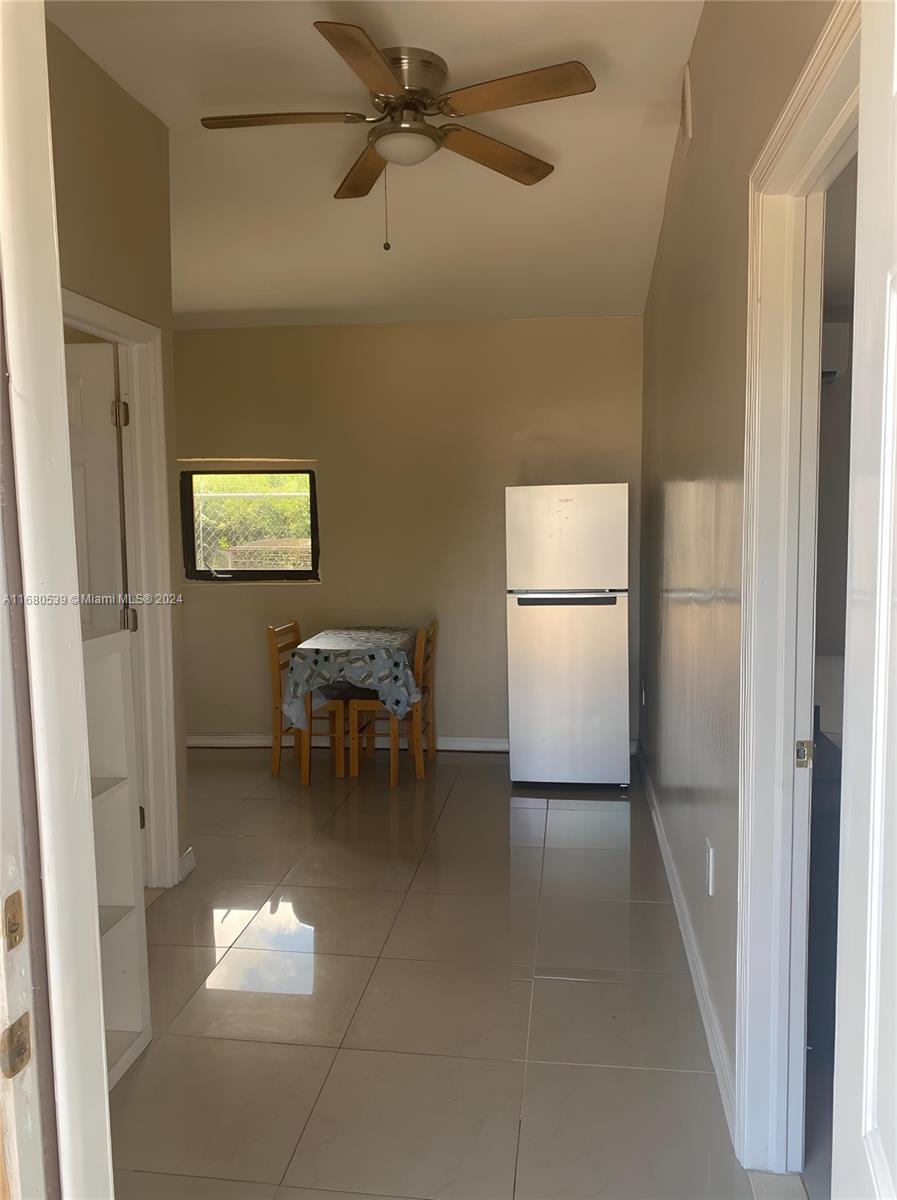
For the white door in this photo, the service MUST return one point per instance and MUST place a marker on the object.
(21, 1133)
(864, 1149)
(55, 676)
(90, 384)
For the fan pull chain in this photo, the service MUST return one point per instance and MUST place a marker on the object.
(386, 245)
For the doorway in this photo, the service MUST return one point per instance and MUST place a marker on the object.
(832, 511)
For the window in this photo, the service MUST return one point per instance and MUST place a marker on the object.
(249, 525)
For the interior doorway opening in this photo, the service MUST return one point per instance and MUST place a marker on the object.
(832, 510)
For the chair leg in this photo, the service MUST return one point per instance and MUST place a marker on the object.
(393, 751)
(417, 741)
(353, 742)
(276, 742)
(431, 730)
(305, 746)
(339, 741)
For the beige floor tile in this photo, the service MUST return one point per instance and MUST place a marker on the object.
(296, 816)
(323, 920)
(587, 830)
(636, 1019)
(269, 996)
(220, 1109)
(323, 782)
(499, 930)
(592, 1132)
(604, 875)
(144, 1185)
(151, 895)
(490, 827)
(209, 814)
(460, 1009)
(175, 972)
(244, 859)
(370, 866)
(413, 1125)
(402, 820)
(373, 777)
(577, 935)
(515, 871)
(204, 914)
(288, 1193)
(226, 773)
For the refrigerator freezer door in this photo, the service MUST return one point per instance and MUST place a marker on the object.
(568, 688)
(568, 538)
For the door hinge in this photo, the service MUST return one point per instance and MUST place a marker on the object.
(15, 1046)
(141, 813)
(129, 620)
(803, 754)
(14, 920)
(121, 413)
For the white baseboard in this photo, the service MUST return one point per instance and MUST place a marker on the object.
(725, 1076)
(249, 740)
(186, 863)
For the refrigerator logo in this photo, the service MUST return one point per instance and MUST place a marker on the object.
(565, 499)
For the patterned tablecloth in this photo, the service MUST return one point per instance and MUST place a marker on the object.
(377, 658)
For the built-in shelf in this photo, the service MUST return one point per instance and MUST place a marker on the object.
(118, 848)
(100, 784)
(118, 1043)
(111, 914)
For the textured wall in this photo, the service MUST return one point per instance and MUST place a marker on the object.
(417, 430)
(110, 159)
(745, 60)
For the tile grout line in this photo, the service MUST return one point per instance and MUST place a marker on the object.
(529, 1020)
(364, 989)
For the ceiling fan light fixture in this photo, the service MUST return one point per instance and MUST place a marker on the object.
(406, 140)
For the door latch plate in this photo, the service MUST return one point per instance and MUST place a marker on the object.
(14, 920)
(15, 1046)
(803, 754)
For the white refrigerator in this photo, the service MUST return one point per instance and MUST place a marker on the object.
(568, 632)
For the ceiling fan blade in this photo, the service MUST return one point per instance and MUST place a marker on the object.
(547, 83)
(495, 155)
(286, 118)
(354, 45)
(362, 176)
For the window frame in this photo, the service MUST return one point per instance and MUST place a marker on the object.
(188, 533)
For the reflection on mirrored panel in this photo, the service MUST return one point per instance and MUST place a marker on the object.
(262, 971)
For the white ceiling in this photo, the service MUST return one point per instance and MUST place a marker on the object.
(256, 235)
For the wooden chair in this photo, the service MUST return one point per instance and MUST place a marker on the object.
(421, 717)
(282, 641)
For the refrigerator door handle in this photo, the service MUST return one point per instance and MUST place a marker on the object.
(565, 601)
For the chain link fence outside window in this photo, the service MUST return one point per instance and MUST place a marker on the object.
(252, 522)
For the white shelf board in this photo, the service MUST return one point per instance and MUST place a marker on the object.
(111, 915)
(100, 784)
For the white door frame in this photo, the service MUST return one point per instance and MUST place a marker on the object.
(40, 445)
(813, 140)
(149, 568)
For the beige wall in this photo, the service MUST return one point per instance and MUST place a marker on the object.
(110, 158)
(417, 429)
(745, 60)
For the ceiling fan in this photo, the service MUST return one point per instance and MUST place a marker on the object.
(406, 88)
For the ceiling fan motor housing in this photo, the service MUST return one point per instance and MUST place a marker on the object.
(422, 73)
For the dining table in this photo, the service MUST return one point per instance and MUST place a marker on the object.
(372, 658)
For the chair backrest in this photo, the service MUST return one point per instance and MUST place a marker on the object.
(282, 641)
(425, 655)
